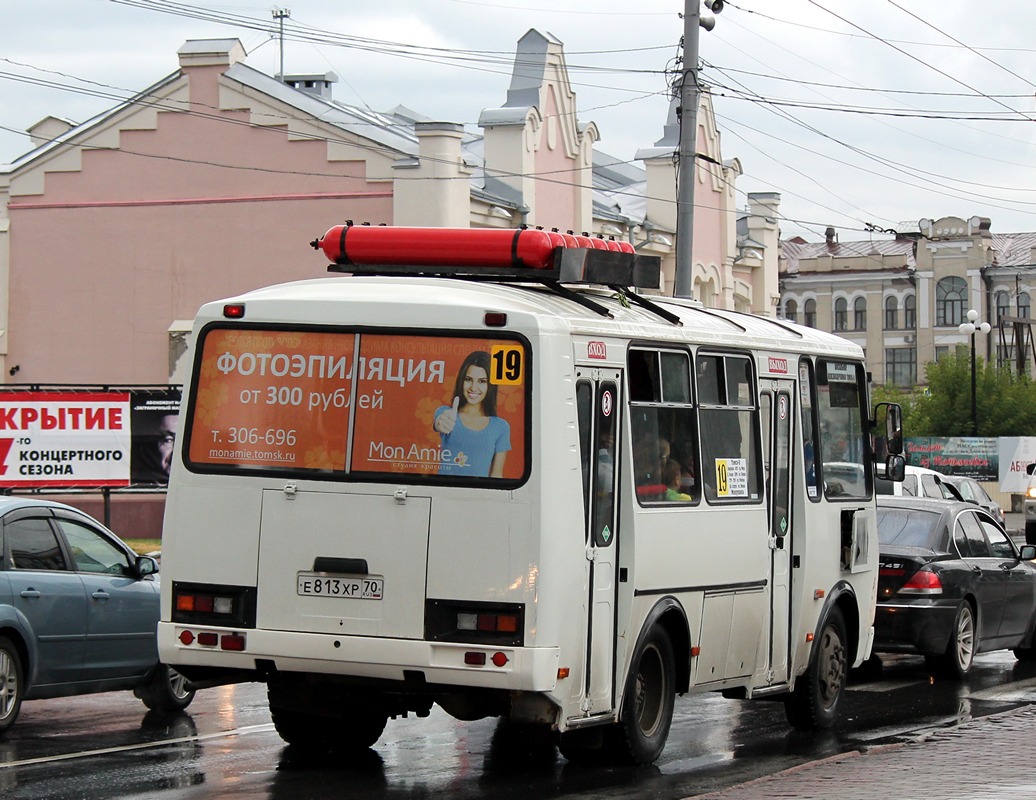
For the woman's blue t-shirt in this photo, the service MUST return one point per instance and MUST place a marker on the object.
(470, 453)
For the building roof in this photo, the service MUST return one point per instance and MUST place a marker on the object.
(1013, 249)
(1009, 250)
(795, 250)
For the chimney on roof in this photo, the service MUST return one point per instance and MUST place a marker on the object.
(318, 85)
(832, 239)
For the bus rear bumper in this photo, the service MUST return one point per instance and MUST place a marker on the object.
(526, 669)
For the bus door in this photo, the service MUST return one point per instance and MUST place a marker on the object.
(598, 404)
(776, 407)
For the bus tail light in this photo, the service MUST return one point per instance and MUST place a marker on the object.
(477, 623)
(208, 604)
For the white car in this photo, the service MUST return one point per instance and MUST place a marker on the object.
(921, 482)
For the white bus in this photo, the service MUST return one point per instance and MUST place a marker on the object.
(481, 471)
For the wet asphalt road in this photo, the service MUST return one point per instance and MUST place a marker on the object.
(105, 746)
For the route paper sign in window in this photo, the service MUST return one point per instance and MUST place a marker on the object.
(369, 404)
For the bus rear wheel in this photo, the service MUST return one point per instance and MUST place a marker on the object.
(344, 729)
(814, 703)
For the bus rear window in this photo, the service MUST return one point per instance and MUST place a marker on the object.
(323, 403)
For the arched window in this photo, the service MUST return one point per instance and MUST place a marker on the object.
(1023, 305)
(1003, 305)
(909, 312)
(841, 314)
(891, 313)
(791, 311)
(810, 313)
(860, 313)
(950, 294)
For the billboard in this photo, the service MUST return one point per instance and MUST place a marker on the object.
(86, 438)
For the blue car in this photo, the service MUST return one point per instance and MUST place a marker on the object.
(78, 612)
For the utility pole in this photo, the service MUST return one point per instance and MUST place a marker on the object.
(690, 94)
(280, 14)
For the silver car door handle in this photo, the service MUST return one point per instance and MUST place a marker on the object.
(100, 594)
(30, 593)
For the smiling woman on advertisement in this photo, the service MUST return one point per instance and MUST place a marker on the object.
(475, 441)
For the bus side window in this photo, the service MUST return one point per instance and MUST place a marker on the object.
(664, 426)
(809, 428)
(729, 436)
(584, 408)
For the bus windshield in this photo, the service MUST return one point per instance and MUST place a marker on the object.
(842, 412)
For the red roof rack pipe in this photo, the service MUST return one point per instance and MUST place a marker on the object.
(464, 247)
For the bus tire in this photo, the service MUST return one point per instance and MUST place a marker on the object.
(647, 704)
(350, 732)
(813, 705)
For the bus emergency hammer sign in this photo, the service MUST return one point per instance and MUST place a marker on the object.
(50, 439)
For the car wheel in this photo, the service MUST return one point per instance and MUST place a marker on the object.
(166, 691)
(813, 705)
(960, 652)
(12, 688)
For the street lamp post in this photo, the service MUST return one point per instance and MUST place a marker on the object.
(971, 327)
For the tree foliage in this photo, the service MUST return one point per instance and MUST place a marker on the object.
(1005, 402)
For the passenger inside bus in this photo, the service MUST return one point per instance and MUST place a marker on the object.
(672, 482)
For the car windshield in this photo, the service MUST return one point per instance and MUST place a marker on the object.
(910, 527)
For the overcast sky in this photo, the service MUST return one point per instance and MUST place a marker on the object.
(857, 112)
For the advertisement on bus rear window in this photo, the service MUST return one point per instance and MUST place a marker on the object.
(360, 403)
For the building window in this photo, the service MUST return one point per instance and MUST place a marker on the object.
(810, 313)
(860, 314)
(891, 314)
(1023, 305)
(1003, 305)
(791, 311)
(941, 351)
(841, 314)
(901, 366)
(950, 294)
(909, 312)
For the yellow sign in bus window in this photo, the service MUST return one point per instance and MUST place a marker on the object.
(508, 365)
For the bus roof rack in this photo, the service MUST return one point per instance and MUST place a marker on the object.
(487, 253)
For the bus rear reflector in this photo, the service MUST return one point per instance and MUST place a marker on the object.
(232, 641)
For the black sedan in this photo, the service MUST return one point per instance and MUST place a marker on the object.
(951, 584)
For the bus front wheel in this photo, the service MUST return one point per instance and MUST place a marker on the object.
(813, 705)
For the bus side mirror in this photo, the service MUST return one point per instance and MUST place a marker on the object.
(1030, 468)
(888, 416)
